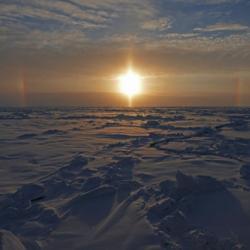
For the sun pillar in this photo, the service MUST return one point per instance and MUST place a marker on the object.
(130, 101)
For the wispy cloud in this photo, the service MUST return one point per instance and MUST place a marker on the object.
(223, 27)
(159, 24)
(39, 23)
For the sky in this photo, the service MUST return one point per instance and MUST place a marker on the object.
(70, 52)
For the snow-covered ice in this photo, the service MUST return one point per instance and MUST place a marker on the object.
(129, 179)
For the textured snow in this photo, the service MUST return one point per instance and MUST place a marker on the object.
(99, 178)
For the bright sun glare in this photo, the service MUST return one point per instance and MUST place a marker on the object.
(130, 83)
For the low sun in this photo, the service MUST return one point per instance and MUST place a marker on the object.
(130, 84)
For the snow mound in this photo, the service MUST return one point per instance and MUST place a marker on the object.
(245, 171)
(8, 241)
(198, 184)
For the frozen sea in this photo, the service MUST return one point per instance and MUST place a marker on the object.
(128, 179)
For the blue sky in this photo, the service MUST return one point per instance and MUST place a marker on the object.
(84, 39)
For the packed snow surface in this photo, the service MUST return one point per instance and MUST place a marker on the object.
(127, 179)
